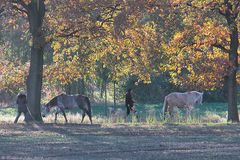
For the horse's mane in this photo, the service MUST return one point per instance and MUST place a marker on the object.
(195, 92)
(52, 102)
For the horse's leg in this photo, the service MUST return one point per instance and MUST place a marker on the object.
(58, 110)
(83, 115)
(84, 112)
(187, 114)
(171, 113)
(56, 117)
(64, 115)
(87, 112)
(18, 115)
(89, 116)
(189, 109)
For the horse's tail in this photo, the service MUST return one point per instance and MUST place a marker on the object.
(88, 104)
(165, 107)
(89, 109)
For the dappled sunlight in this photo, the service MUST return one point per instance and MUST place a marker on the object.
(119, 79)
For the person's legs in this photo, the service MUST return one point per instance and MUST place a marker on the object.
(27, 117)
(18, 115)
(132, 108)
(128, 109)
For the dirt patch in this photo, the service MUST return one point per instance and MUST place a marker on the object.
(76, 141)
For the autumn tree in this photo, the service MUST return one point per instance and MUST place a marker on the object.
(34, 10)
(218, 24)
(114, 40)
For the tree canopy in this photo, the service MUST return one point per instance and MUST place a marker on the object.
(194, 42)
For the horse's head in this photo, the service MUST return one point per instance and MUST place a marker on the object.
(45, 110)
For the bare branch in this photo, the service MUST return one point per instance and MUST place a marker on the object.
(20, 9)
(237, 10)
(22, 3)
(191, 5)
(221, 47)
(1, 11)
(70, 34)
(237, 5)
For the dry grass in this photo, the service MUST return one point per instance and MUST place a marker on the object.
(151, 119)
(72, 118)
(212, 118)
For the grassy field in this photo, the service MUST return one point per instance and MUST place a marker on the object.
(150, 113)
(116, 141)
(217, 108)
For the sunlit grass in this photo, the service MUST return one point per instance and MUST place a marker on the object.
(147, 114)
(149, 120)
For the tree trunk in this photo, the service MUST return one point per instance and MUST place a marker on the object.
(67, 88)
(114, 94)
(232, 84)
(232, 98)
(82, 88)
(34, 83)
(105, 96)
(102, 89)
(36, 12)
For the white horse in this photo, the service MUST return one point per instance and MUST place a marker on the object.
(185, 100)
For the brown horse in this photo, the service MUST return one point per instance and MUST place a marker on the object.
(181, 100)
(64, 101)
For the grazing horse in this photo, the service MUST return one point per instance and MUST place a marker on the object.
(64, 101)
(181, 100)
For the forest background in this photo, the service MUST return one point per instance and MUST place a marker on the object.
(101, 48)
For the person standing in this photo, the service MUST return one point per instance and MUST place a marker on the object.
(21, 106)
(129, 102)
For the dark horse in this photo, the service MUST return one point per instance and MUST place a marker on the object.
(64, 101)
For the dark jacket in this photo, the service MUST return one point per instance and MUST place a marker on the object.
(22, 103)
(128, 99)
